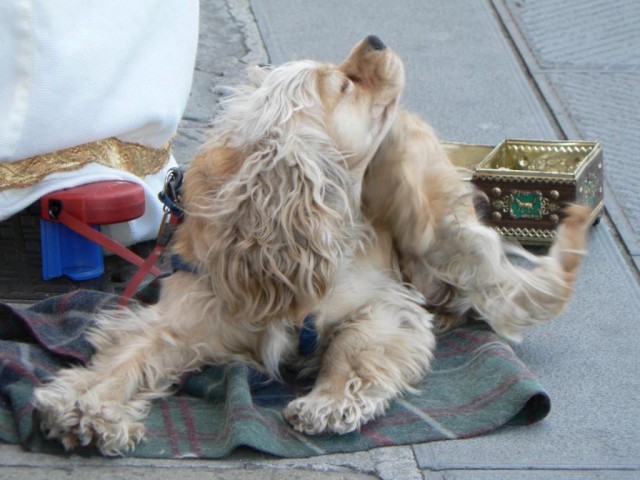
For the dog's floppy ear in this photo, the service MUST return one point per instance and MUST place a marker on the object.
(272, 229)
(274, 232)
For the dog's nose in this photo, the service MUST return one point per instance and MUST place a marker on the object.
(375, 42)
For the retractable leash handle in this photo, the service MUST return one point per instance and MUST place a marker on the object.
(173, 213)
(95, 236)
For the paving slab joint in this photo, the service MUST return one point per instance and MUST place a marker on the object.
(527, 62)
(241, 13)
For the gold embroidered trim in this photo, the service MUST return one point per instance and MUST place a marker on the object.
(130, 157)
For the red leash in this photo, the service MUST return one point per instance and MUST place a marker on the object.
(167, 227)
(173, 213)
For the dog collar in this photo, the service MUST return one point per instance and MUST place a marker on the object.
(178, 264)
(308, 337)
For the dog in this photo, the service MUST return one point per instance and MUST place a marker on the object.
(316, 197)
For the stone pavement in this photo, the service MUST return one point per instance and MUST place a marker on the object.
(584, 58)
(480, 71)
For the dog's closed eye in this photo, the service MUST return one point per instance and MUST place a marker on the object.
(346, 85)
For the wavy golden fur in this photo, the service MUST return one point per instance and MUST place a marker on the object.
(276, 227)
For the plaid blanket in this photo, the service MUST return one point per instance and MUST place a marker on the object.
(476, 385)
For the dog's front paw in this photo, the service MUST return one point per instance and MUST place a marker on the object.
(326, 412)
(83, 421)
(58, 415)
(110, 426)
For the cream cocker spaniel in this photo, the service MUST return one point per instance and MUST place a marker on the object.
(314, 196)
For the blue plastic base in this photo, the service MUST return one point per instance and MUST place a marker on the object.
(66, 253)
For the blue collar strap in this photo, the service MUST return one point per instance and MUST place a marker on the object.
(178, 264)
(308, 338)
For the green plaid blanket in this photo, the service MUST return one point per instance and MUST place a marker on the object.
(476, 385)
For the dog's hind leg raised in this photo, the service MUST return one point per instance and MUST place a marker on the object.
(475, 263)
(458, 263)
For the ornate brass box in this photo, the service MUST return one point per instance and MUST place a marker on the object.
(528, 182)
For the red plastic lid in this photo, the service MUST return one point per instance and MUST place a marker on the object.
(99, 203)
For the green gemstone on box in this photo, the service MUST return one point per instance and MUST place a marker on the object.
(526, 205)
(590, 190)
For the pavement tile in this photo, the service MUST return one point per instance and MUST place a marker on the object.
(531, 475)
(202, 473)
(384, 464)
(583, 54)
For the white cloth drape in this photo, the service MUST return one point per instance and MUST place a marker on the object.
(78, 71)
